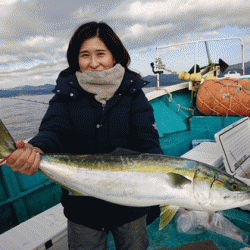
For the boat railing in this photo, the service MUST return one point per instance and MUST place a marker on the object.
(196, 53)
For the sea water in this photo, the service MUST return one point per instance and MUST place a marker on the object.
(22, 115)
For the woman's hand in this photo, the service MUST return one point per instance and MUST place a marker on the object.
(25, 159)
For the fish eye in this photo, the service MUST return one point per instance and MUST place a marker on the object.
(234, 187)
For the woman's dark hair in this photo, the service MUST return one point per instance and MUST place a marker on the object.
(108, 37)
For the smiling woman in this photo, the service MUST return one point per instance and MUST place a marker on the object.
(98, 106)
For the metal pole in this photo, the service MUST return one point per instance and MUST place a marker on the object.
(157, 75)
(243, 59)
(196, 56)
(208, 53)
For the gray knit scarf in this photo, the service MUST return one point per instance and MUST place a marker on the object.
(103, 84)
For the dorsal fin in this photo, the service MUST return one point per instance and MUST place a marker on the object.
(123, 151)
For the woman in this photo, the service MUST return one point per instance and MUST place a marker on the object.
(98, 106)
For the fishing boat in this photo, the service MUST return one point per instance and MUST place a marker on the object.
(31, 213)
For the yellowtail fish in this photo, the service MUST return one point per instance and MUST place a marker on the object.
(135, 179)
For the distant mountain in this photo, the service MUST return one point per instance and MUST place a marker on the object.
(27, 90)
(165, 80)
(239, 66)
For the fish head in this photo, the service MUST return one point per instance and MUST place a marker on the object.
(215, 190)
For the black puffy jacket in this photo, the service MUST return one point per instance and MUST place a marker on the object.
(76, 123)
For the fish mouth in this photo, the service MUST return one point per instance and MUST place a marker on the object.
(238, 197)
(225, 199)
(214, 200)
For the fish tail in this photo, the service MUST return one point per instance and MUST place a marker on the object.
(7, 143)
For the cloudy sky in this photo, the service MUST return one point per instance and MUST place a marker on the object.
(35, 33)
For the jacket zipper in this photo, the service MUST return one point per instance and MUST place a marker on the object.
(103, 107)
(102, 116)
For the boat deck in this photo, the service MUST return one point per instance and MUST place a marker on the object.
(26, 197)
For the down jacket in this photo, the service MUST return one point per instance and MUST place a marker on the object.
(76, 123)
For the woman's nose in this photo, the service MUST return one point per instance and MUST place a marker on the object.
(94, 63)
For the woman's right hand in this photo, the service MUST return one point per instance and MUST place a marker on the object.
(25, 159)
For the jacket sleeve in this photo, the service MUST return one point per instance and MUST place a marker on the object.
(55, 127)
(143, 131)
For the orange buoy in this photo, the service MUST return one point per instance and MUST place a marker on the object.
(224, 97)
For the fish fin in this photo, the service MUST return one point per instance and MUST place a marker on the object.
(177, 180)
(124, 151)
(167, 213)
(75, 193)
(7, 143)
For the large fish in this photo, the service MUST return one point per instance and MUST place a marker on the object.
(135, 179)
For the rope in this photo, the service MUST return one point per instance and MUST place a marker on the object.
(27, 100)
(171, 99)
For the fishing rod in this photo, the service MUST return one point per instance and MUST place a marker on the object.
(27, 100)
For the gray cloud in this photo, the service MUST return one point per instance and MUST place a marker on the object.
(40, 74)
(50, 18)
(35, 33)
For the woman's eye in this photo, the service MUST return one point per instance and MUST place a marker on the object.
(84, 55)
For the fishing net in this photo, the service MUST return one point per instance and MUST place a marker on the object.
(230, 97)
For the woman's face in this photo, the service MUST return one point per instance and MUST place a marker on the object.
(95, 56)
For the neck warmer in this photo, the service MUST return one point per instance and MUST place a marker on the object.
(103, 84)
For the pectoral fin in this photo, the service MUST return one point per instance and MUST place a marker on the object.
(177, 180)
(75, 193)
(167, 213)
